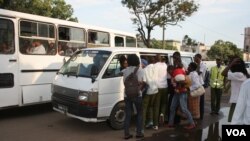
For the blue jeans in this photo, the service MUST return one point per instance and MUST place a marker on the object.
(182, 100)
(128, 111)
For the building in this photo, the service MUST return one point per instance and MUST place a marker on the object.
(174, 43)
(196, 48)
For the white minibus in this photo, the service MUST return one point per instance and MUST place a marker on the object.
(94, 95)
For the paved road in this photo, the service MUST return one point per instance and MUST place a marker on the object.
(41, 123)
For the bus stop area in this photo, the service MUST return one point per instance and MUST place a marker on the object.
(41, 123)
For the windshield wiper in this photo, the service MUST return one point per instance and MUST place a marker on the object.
(70, 74)
(83, 75)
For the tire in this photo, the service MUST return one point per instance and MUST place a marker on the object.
(117, 116)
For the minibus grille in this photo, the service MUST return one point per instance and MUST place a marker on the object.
(66, 98)
(65, 95)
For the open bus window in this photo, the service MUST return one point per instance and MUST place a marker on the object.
(130, 42)
(37, 46)
(70, 40)
(6, 37)
(98, 38)
(119, 41)
(37, 38)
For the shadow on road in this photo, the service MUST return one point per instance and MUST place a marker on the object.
(25, 111)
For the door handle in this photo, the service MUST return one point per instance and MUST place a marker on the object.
(12, 60)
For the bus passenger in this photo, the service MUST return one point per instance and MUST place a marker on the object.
(5, 49)
(37, 48)
(51, 49)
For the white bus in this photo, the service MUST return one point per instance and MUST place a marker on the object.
(32, 49)
(94, 95)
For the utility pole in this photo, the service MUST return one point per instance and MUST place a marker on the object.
(163, 29)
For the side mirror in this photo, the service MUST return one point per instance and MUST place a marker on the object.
(94, 70)
(64, 60)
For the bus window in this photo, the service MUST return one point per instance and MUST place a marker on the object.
(119, 41)
(98, 38)
(6, 37)
(70, 39)
(130, 42)
(37, 38)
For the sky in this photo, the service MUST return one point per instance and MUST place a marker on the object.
(214, 20)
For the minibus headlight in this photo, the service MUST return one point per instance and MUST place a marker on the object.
(88, 98)
(83, 96)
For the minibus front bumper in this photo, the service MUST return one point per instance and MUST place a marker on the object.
(66, 101)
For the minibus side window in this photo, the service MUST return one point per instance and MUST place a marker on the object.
(114, 67)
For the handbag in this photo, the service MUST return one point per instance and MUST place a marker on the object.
(197, 92)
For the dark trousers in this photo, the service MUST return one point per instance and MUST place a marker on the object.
(231, 112)
(215, 99)
(128, 111)
(202, 106)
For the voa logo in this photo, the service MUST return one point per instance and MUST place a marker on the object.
(236, 132)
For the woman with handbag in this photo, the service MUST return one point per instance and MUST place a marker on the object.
(194, 101)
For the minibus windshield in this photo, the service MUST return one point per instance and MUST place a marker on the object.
(85, 63)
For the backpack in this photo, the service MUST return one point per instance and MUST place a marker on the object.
(131, 84)
(206, 79)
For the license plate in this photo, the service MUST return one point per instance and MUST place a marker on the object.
(63, 108)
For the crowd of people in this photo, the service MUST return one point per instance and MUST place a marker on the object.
(166, 91)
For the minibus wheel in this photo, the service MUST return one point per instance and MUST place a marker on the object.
(117, 116)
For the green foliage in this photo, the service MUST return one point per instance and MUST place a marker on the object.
(189, 41)
(149, 14)
(223, 50)
(49, 8)
(158, 44)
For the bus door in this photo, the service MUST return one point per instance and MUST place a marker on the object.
(8, 63)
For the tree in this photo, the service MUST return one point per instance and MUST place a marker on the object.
(223, 50)
(149, 14)
(49, 8)
(189, 41)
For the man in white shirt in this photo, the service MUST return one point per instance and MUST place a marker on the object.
(201, 70)
(37, 48)
(242, 110)
(161, 100)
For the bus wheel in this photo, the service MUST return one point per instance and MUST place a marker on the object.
(117, 116)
